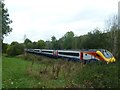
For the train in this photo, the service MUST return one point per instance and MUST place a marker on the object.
(77, 55)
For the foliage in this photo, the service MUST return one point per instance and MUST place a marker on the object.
(28, 43)
(66, 42)
(99, 75)
(68, 39)
(40, 44)
(36, 70)
(4, 47)
(15, 49)
(48, 45)
(5, 19)
(54, 42)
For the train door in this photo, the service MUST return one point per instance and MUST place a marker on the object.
(81, 55)
(55, 53)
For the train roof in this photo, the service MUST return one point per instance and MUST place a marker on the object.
(86, 50)
(80, 50)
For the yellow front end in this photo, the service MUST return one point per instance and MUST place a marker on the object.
(108, 60)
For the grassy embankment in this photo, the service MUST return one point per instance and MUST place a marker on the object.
(36, 72)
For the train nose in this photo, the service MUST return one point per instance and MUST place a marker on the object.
(112, 60)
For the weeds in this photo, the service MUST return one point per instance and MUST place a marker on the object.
(43, 72)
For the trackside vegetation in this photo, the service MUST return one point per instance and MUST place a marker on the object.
(33, 71)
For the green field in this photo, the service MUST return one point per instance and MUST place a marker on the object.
(40, 72)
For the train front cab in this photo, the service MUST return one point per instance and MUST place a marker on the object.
(97, 55)
(106, 55)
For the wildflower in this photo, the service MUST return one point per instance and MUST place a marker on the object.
(11, 82)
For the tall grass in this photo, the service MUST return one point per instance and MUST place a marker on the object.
(34, 71)
(99, 76)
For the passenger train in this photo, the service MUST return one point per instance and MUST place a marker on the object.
(79, 55)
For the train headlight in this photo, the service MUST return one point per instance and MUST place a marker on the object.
(114, 59)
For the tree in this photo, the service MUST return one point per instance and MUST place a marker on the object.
(41, 44)
(113, 35)
(4, 47)
(34, 45)
(48, 45)
(15, 49)
(28, 43)
(54, 42)
(5, 20)
(68, 40)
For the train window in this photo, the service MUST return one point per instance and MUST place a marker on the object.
(36, 50)
(107, 54)
(48, 51)
(69, 53)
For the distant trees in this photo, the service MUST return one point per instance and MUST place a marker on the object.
(54, 42)
(48, 44)
(94, 39)
(40, 44)
(28, 43)
(68, 40)
(4, 47)
(114, 36)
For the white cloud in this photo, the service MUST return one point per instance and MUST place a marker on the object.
(41, 19)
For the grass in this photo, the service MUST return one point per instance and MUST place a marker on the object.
(100, 76)
(14, 73)
(34, 71)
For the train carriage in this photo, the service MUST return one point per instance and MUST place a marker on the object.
(47, 52)
(75, 55)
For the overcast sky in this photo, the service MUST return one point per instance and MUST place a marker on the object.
(41, 19)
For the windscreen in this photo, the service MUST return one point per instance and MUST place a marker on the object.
(107, 54)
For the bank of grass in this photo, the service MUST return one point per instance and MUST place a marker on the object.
(14, 73)
(34, 71)
(99, 76)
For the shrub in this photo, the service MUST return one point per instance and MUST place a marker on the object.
(15, 49)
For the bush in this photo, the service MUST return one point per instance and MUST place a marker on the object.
(99, 76)
(4, 47)
(15, 49)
